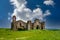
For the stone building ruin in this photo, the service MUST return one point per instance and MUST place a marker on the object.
(16, 25)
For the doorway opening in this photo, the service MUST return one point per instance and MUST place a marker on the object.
(37, 27)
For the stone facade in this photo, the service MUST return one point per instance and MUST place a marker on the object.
(16, 25)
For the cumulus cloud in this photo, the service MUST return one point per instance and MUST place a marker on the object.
(24, 13)
(37, 5)
(9, 16)
(49, 2)
(47, 13)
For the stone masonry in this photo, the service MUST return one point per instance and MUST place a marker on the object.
(16, 25)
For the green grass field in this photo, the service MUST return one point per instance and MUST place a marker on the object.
(7, 34)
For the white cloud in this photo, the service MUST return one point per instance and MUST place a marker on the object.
(37, 5)
(9, 18)
(47, 13)
(9, 14)
(38, 13)
(24, 13)
(49, 2)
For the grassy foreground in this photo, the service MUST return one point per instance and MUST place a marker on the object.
(7, 34)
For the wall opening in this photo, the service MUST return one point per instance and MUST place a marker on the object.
(37, 27)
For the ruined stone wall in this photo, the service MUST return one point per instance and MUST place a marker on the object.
(37, 24)
(43, 25)
(21, 25)
(29, 25)
(15, 25)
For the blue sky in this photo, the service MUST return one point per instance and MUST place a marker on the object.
(52, 21)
